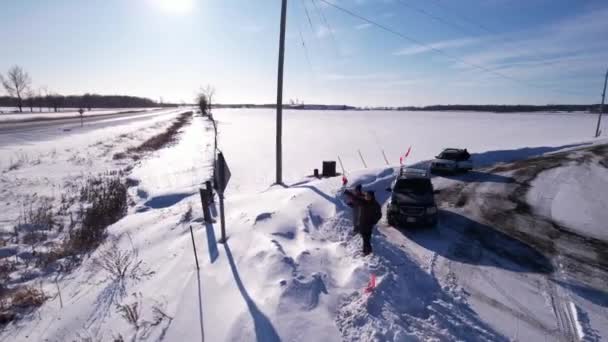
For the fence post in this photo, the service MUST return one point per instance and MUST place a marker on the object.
(209, 191)
(194, 248)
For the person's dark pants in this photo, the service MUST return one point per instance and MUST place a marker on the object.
(366, 234)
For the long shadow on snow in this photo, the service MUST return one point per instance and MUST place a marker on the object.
(335, 200)
(461, 239)
(595, 296)
(377, 184)
(211, 242)
(489, 158)
(165, 201)
(479, 177)
(419, 298)
(506, 156)
(264, 330)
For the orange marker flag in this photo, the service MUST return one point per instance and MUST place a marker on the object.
(372, 283)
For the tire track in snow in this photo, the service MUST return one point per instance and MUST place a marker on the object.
(562, 313)
(560, 305)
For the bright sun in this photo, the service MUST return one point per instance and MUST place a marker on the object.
(175, 6)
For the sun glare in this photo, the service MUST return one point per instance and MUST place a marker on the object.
(175, 6)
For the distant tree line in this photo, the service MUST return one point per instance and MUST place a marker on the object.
(18, 86)
(56, 102)
(505, 108)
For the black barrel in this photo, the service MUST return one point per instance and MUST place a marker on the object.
(329, 169)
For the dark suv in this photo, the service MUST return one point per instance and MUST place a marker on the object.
(413, 200)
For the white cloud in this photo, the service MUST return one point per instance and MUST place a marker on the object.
(363, 26)
(324, 32)
(441, 45)
(569, 45)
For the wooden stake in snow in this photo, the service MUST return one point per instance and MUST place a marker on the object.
(362, 160)
(385, 159)
(194, 248)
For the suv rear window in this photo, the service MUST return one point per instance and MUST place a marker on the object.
(451, 155)
(417, 186)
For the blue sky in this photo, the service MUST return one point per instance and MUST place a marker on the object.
(538, 51)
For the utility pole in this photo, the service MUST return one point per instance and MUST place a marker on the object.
(279, 143)
(599, 118)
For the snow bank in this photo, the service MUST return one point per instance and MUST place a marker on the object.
(575, 196)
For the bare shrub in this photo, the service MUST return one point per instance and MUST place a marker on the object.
(158, 141)
(32, 238)
(131, 182)
(119, 155)
(61, 253)
(130, 312)
(6, 317)
(19, 160)
(106, 200)
(187, 216)
(6, 268)
(27, 297)
(39, 216)
(121, 264)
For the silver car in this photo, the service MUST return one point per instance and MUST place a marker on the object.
(452, 160)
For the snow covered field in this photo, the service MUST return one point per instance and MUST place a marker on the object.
(290, 270)
(247, 138)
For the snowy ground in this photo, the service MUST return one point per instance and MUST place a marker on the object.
(290, 270)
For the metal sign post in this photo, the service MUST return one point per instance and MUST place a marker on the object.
(222, 176)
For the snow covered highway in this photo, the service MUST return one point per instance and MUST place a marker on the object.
(48, 127)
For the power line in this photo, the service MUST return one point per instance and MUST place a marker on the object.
(307, 16)
(434, 17)
(326, 23)
(302, 39)
(440, 51)
(439, 4)
(463, 18)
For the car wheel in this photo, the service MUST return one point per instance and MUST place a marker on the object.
(391, 221)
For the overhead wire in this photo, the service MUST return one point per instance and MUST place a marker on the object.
(306, 54)
(312, 29)
(329, 28)
(439, 4)
(440, 51)
(432, 16)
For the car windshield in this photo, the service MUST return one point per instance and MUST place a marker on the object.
(415, 186)
(451, 155)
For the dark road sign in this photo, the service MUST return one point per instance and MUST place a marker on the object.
(222, 173)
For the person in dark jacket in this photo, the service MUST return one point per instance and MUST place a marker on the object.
(356, 212)
(370, 213)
